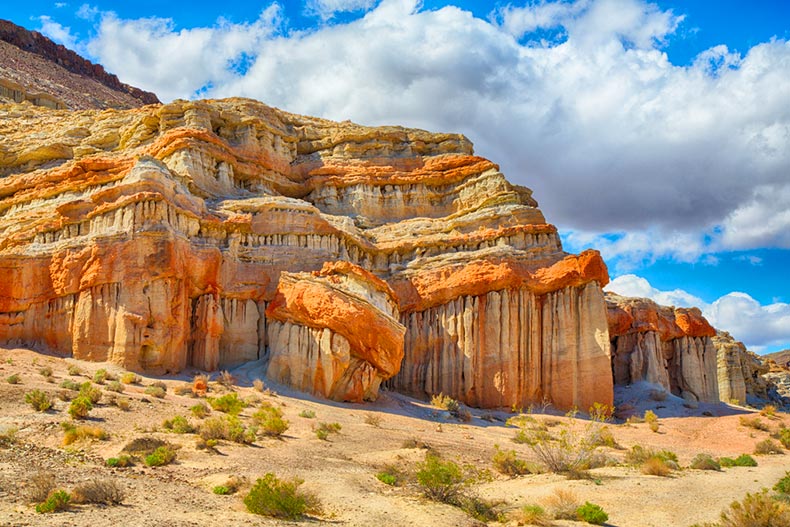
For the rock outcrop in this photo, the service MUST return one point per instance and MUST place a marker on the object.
(669, 346)
(740, 372)
(210, 233)
(34, 68)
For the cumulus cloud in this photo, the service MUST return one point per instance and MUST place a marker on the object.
(757, 325)
(57, 32)
(87, 12)
(610, 135)
(326, 9)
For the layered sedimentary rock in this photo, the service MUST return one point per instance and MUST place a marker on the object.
(740, 371)
(664, 345)
(176, 235)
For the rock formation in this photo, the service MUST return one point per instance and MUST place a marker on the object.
(664, 345)
(210, 233)
(35, 69)
(740, 372)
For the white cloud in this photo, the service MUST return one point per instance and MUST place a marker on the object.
(636, 286)
(608, 133)
(57, 32)
(757, 325)
(326, 9)
(87, 12)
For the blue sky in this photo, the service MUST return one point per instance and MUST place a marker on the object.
(657, 132)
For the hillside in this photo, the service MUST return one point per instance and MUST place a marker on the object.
(34, 68)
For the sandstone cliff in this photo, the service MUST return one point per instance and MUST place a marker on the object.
(664, 345)
(195, 234)
(35, 69)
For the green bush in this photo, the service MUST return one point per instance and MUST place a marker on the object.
(323, 430)
(228, 403)
(114, 386)
(387, 478)
(179, 425)
(744, 460)
(222, 490)
(783, 485)
(91, 392)
(226, 427)
(130, 378)
(45, 371)
(768, 446)
(122, 461)
(68, 384)
(80, 407)
(75, 370)
(163, 455)
(592, 513)
(445, 402)
(756, 510)
(39, 400)
(307, 414)
(270, 420)
(704, 462)
(440, 480)
(534, 515)
(200, 410)
(14, 379)
(58, 500)
(506, 462)
(156, 391)
(100, 376)
(277, 498)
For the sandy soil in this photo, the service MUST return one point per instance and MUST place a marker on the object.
(341, 471)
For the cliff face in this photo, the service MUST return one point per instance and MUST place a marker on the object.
(740, 371)
(34, 68)
(669, 346)
(179, 235)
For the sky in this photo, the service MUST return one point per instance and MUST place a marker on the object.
(656, 132)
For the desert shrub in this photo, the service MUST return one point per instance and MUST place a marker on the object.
(179, 425)
(72, 433)
(222, 490)
(228, 403)
(183, 389)
(413, 442)
(156, 391)
(704, 462)
(756, 510)
(258, 385)
(163, 455)
(100, 376)
(121, 461)
(744, 460)
(45, 371)
(569, 451)
(440, 480)
(652, 420)
(592, 513)
(123, 403)
(639, 454)
(130, 378)
(271, 496)
(114, 386)
(200, 384)
(481, 509)
(13, 379)
(200, 410)
(755, 423)
(58, 500)
(655, 466)
(270, 420)
(521, 421)
(226, 427)
(373, 420)
(323, 430)
(534, 515)
(606, 438)
(68, 384)
(74, 370)
(40, 485)
(783, 485)
(563, 504)
(769, 410)
(39, 400)
(80, 407)
(387, 477)
(601, 412)
(445, 402)
(104, 491)
(521, 438)
(783, 435)
(307, 414)
(91, 392)
(506, 462)
(768, 446)
(142, 446)
(7, 435)
(226, 379)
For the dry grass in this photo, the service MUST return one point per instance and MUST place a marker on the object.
(103, 491)
(72, 434)
(39, 486)
(754, 422)
(533, 515)
(563, 504)
(655, 466)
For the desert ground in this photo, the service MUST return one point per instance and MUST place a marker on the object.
(341, 471)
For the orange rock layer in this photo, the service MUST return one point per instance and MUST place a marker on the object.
(179, 235)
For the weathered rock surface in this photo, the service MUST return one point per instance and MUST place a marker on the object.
(740, 372)
(178, 235)
(35, 69)
(664, 345)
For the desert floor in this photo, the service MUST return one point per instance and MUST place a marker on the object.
(341, 471)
